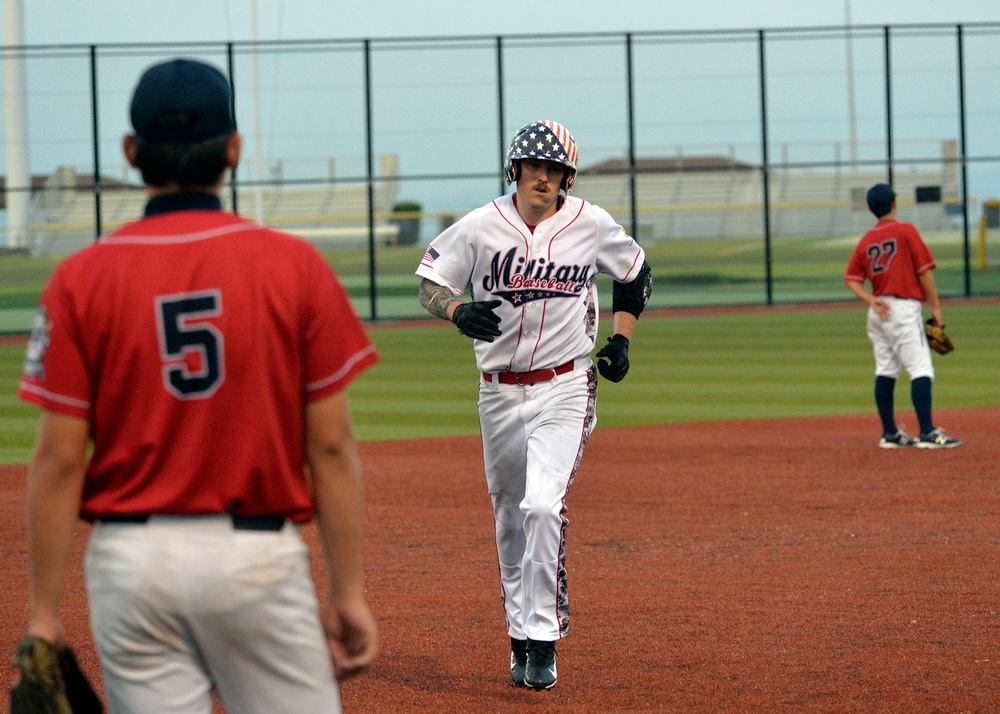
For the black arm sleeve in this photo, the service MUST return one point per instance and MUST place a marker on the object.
(632, 297)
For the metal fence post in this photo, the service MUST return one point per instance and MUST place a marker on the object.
(96, 137)
(371, 182)
(630, 93)
(234, 194)
(888, 106)
(966, 254)
(502, 134)
(765, 168)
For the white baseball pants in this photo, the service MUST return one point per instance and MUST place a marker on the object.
(533, 440)
(181, 605)
(899, 340)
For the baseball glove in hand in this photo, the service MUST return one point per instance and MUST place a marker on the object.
(937, 339)
(615, 365)
(477, 320)
(51, 681)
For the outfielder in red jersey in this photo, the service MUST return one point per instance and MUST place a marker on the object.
(206, 358)
(896, 261)
(530, 260)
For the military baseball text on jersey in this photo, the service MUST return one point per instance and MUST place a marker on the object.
(544, 277)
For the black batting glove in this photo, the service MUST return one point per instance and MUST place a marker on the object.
(614, 366)
(477, 320)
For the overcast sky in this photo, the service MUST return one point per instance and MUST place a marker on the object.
(100, 21)
(84, 22)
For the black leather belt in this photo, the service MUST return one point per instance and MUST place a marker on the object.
(240, 523)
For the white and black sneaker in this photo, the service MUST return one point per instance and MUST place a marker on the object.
(937, 440)
(898, 440)
(540, 673)
(518, 661)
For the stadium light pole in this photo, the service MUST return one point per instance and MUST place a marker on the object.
(851, 112)
(255, 63)
(18, 185)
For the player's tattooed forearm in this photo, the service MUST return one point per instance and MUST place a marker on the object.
(435, 298)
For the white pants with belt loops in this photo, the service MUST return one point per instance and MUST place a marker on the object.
(180, 606)
(533, 440)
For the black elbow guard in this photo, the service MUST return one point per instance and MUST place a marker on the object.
(632, 297)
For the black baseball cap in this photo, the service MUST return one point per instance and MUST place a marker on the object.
(880, 198)
(182, 101)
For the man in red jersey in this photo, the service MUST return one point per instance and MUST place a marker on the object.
(894, 258)
(205, 358)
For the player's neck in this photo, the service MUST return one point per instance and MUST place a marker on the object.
(173, 187)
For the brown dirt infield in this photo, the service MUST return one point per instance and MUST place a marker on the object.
(763, 566)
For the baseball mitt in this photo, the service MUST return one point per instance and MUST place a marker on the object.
(937, 339)
(51, 681)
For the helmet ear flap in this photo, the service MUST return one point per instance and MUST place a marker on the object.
(568, 180)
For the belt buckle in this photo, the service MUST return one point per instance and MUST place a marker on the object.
(517, 379)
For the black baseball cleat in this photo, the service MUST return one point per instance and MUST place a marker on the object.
(937, 440)
(898, 440)
(540, 672)
(518, 661)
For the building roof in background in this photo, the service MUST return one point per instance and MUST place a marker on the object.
(667, 165)
(82, 183)
(37, 184)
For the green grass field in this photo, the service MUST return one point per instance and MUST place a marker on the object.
(687, 273)
(771, 363)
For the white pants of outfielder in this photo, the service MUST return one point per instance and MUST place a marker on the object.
(533, 440)
(179, 605)
(900, 341)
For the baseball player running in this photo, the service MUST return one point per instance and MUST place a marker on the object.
(206, 357)
(894, 258)
(531, 259)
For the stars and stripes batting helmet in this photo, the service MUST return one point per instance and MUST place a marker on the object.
(543, 140)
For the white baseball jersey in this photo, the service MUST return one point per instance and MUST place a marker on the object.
(545, 279)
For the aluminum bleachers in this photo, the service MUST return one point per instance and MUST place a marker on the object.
(64, 214)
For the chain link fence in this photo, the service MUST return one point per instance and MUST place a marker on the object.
(738, 158)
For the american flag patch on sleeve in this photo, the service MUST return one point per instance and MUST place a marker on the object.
(430, 256)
